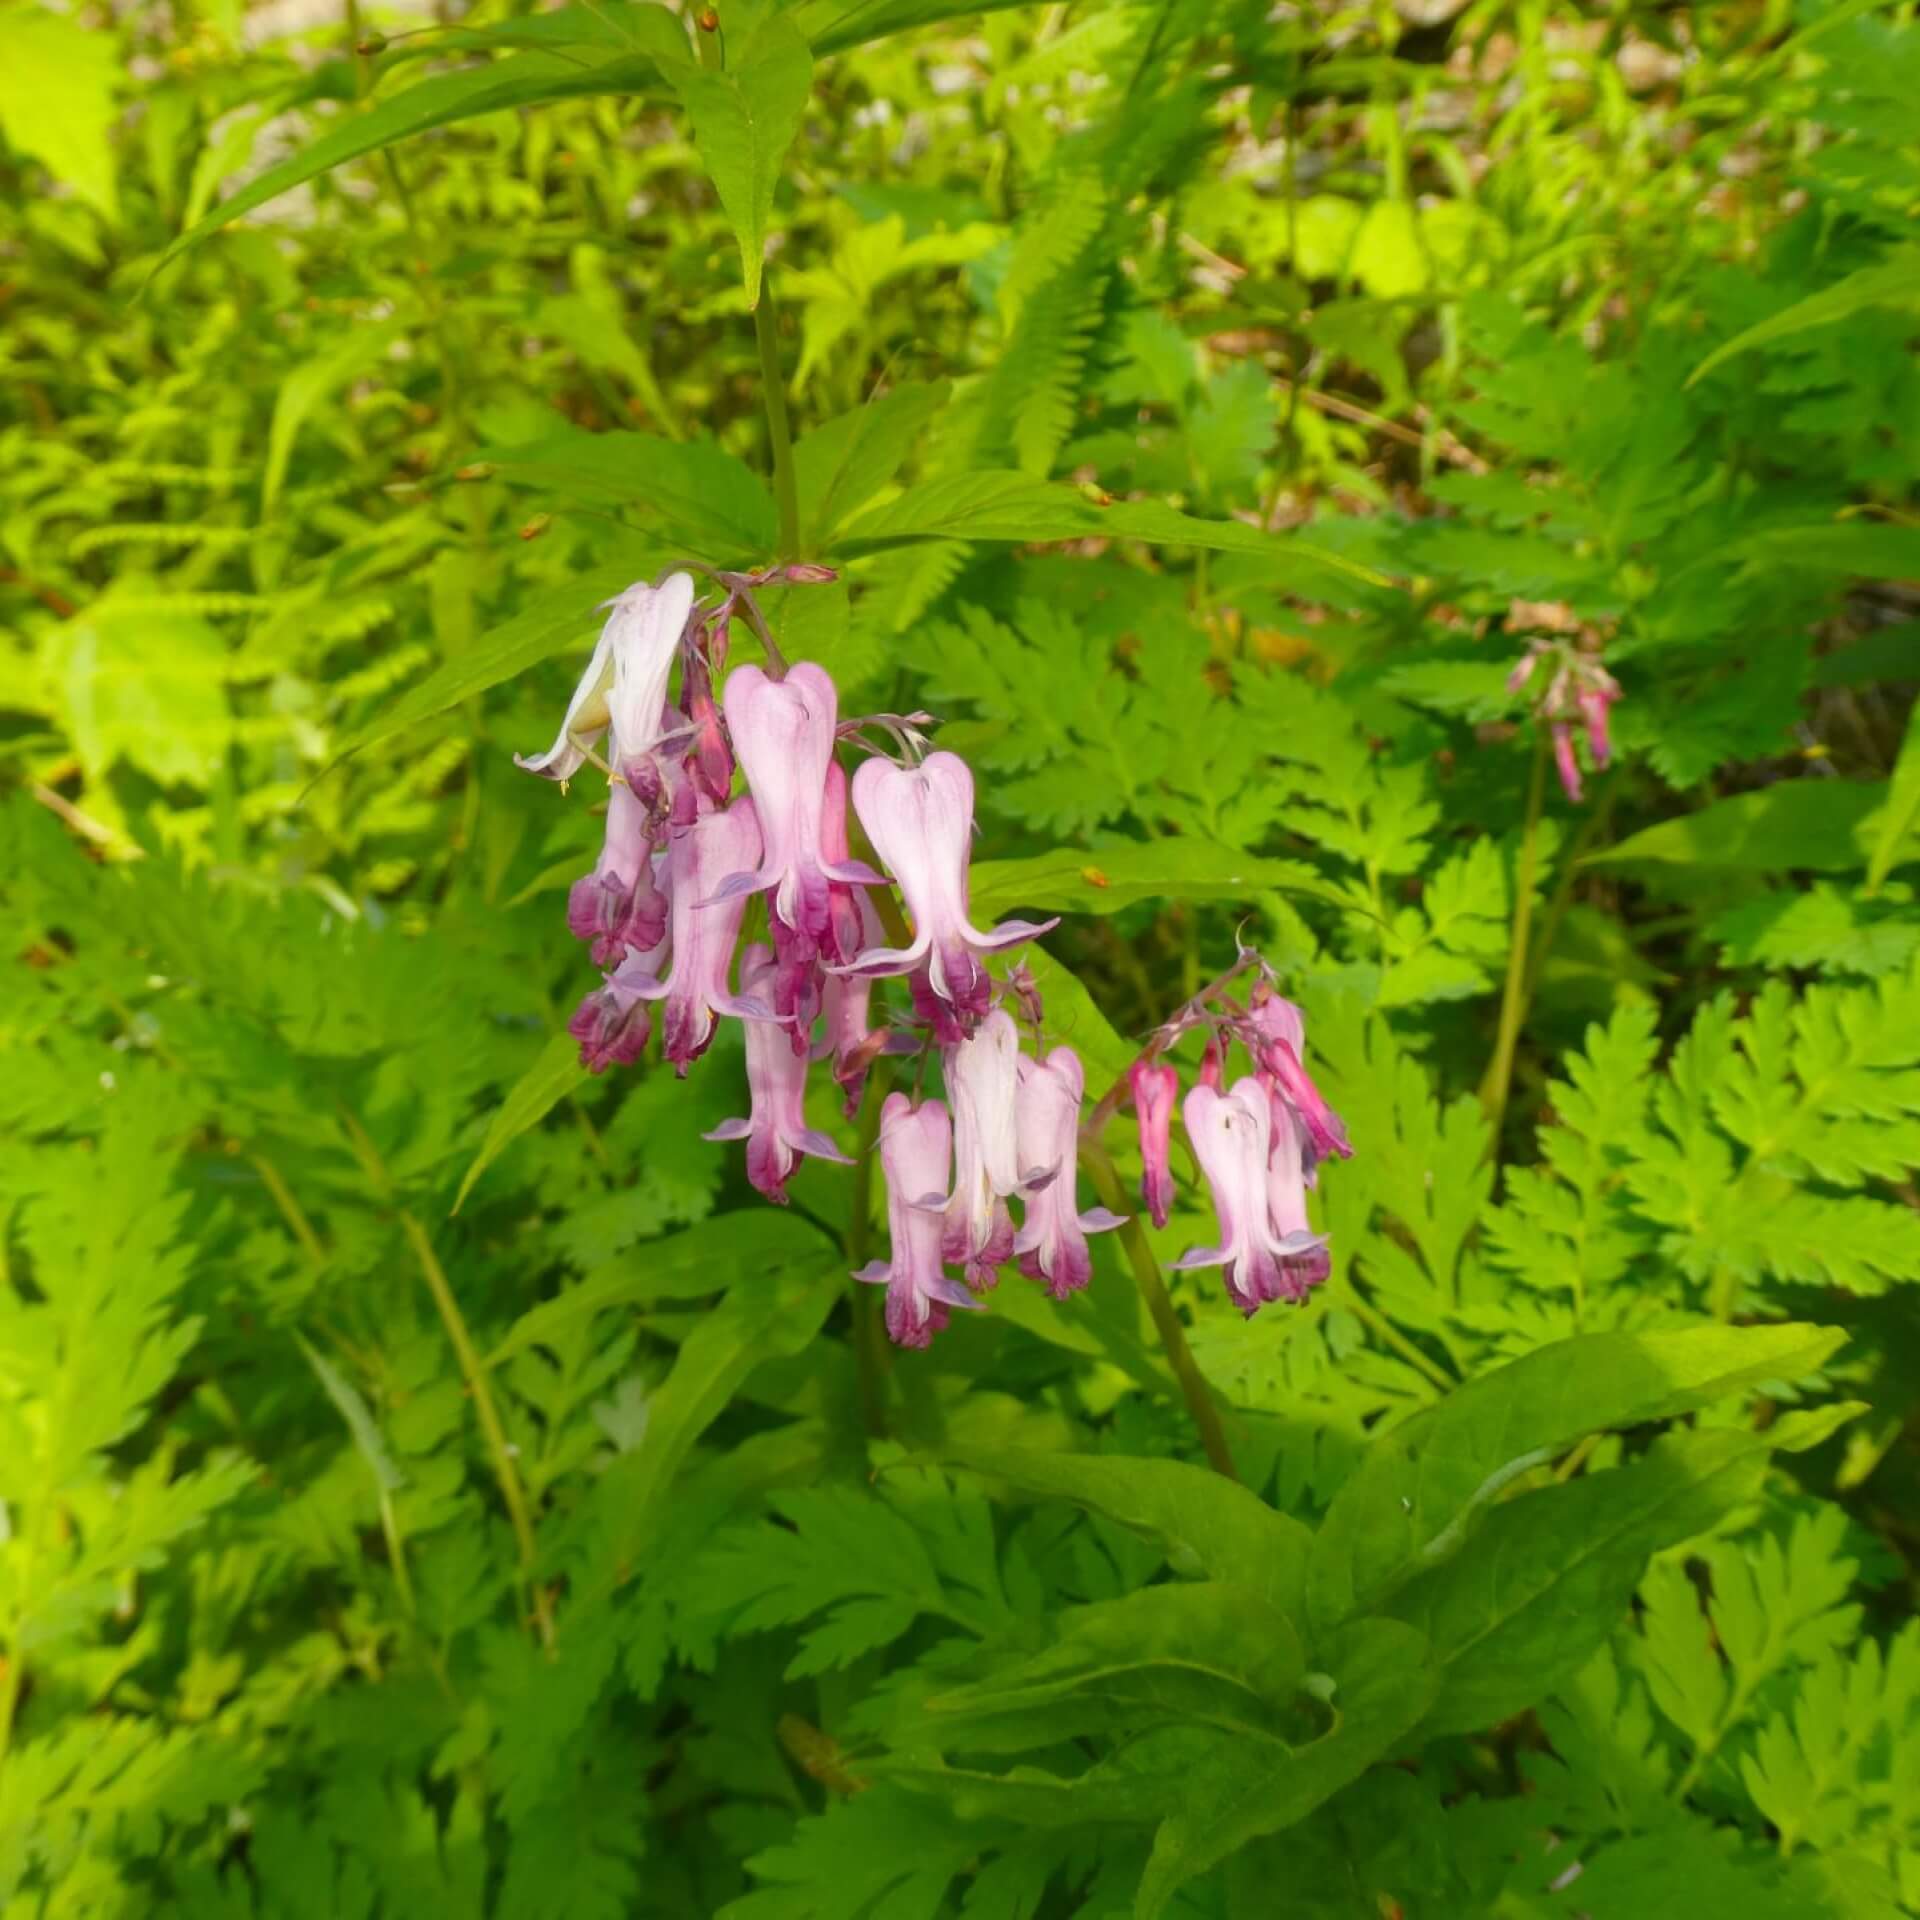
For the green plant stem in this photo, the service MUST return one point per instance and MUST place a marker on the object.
(869, 1352)
(473, 1370)
(1592, 828)
(1513, 1002)
(773, 390)
(1377, 1322)
(397, 1554)
(1173, 1337)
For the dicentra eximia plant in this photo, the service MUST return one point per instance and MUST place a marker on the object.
(663, 909)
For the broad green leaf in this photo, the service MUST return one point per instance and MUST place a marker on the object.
(1903, 807)
(1074, 1015)
(1424, 1487)
(706, 496)
(1551, 1571)
(521, 80)
(1893, 282)
(118, 670)
(1109, 878)
(560, 618)
(1095, 1334)
(1382, 1683)
(732, 1250)
(1810, 824)
(56, 99)
(534, 1095)
(1208, 1524)
(844, 462)
(744, 120)
(307, 385)
(1206, 1651)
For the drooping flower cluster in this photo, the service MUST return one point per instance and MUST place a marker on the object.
(1259, 1142)
(1576, 691)
(686, 859)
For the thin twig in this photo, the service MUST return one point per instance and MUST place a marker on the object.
(474, 1371)
(1173, 1337)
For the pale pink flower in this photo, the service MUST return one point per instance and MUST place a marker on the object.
(776, 1132)
(1156, 1086)
(625, 684)
(1282, 1042)
(620, 905)
(916, 1157)
(920, 820)
(1232, 1135)
(1052, 1243)
(783, 731)
(982, 1075)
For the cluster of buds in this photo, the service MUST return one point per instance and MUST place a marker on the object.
(1576, 690)
(663, 910)
(1258, 1141)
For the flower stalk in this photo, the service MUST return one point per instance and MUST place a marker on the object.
(773, 391)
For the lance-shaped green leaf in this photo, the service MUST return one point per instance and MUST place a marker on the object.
(763, 1316)
(1795, 824)
(1209, 1654)
(1106, 879)
(1424, 1487)
(744, 119)
(561, 617)
(1895, 825)
(521, 80)
(996, 504)
(1551, 1572)
(704, 494)
(534, 1095)
(1206, 1523)
(1377, 1684)
(690, 1265)
(845, 461)
(1891, 283)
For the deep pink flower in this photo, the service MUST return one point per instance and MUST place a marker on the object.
(1595, 698)
(1287, 1170)
(1232, 1135)
(1156, 1086)
(1052, 1242)
(709, 759)
(621, 905)
(920, 820)
(1282, 1035)
(703, 936)
(1213, 1064)
(612, 1023)
(916, 1156)
(783, 731)
(847, 1039)
(777, 1133)
(982, 1075)
(1564, 760)
(625, 684)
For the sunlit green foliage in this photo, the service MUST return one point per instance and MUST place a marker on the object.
(430, 1481)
